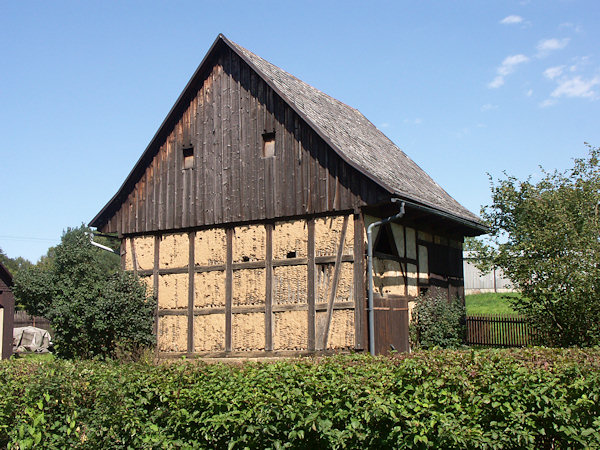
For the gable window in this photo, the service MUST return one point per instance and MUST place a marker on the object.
(188, 157)
(268, 148)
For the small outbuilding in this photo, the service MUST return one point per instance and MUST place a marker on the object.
(248, 212)
(7, 312)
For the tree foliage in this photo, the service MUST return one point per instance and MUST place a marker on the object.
(94, 308)
(14, 265)
(546, 238)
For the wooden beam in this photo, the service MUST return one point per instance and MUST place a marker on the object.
(311, 288)
(133, 256)
(190, 311)
(359, 282)
(269, 289)
(228, 288)
(155, 285)
(252, 309)
(334, 282)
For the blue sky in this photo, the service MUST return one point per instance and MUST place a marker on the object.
(465, 88)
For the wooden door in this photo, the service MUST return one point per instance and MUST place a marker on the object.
(391, 323)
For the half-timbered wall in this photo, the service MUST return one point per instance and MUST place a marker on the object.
(284, 287)
(230, 180)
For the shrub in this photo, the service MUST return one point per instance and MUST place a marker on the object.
(94, 308)
(525, 398)
(438, 322)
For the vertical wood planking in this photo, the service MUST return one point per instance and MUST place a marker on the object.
(210, 163)
(359, 282)
(269, 289)
(224, 121)
(226, 189)
(190, 311)
(218, 142)
(311, 284)
(228, 288)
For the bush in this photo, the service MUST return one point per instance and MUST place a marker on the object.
(532, 398)
(438, 322)
(94, 308)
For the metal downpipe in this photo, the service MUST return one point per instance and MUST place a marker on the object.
(370, 310)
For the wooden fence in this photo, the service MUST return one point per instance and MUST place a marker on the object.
(499, 330)
(22, 319)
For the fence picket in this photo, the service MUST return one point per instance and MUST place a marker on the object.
(499, 330)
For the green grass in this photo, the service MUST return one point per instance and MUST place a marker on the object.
(490, 303)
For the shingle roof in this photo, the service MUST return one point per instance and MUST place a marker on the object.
(344, 128)
(357, 140)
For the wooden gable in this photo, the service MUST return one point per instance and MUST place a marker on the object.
(210, 168)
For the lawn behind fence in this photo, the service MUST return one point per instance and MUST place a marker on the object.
(490, 303)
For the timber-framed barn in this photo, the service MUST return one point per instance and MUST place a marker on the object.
(247, 215)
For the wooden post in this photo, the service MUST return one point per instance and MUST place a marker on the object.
(359, 282)
(190, 311)
(155, 285)
(133, 256)
(228, 288)
(269, 289)
(311, 284)
(334, 282)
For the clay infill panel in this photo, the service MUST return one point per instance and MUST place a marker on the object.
(209, 289)
(290, 330)
(209, 333)
(173, 291)
(143, 248)
(290, 285)
(249, 243)
(172, 334)
(248, 332)
(345, 287)
(328, 231)
(290, 239)
(249, 287)
(174, 251)
(210, 247)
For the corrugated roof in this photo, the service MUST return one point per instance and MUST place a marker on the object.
(357, 140)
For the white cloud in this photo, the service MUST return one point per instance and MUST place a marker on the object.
(417, 121)
(488, 107)
(507, 67)
(496, 82)
(529, 93)
(546, 103)
(546, 46)
(576, 87)
(571, 25)
(511, 20)
(552, 72)
(384, 125)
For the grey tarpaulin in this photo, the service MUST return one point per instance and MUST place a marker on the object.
(31, 339)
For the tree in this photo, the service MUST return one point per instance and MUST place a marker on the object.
(94, 308)
(546, 237)
(14, 265)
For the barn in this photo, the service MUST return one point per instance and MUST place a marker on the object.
(7, 313)
(248, 212)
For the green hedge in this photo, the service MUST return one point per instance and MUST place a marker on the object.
(452, 399)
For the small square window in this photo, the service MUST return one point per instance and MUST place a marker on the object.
(268, 150)
(188, 157)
